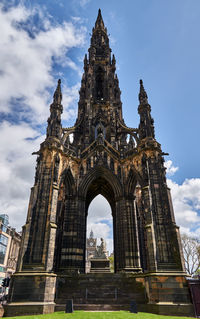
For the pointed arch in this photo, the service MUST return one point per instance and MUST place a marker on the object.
(100, 180)
(132, 179)
(67, 180)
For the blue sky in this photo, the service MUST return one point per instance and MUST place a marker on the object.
(155, 40)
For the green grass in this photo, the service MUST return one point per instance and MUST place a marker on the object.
(99, 315)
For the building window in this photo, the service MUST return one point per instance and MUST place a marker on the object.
(3, 247)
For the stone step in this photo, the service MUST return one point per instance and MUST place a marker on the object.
(101, 293)
(103, 285)
(97, 289)
(102, 300)
(95, 307)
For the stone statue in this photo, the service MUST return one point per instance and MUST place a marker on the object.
(101, 250)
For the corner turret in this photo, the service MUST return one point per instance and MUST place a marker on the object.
(54, 128)
(146, 126)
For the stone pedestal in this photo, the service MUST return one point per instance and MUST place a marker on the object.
(100, 265)
(31, 293)
(168, 293)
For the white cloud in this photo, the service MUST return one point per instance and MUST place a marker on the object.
(28, 54)
(99, 209)
(100, 220)
(27, 58)
(83, 3)
(171, 169)
(17, 169)
(186, 201)
(69, 96)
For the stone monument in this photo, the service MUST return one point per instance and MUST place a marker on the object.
(126, 166)
(100, 262)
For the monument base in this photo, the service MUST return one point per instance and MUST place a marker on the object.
(170, 309)
(28, 308)
(160, 293)
(168, 294)
(31, 293)
(100, 265)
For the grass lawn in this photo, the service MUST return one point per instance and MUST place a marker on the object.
(99, 315)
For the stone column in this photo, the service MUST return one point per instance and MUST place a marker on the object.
(149, 229)
(72, 254)
(51, 237)
(126, 238)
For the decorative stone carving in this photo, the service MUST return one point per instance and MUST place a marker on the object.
(101, 250)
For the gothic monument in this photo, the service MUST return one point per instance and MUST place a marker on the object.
(126, 166)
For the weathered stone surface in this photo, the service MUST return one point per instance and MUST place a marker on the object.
(28, 308)
(101, 289)
(31, 293)
(100, 265)
(1, 311)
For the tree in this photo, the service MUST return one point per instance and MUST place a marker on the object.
(191, 253)
(111, 258)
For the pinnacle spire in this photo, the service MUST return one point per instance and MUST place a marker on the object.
(113, 59)
(99, 48)
(143, 98)
(57, 97)
(54, 127)
(91, 234)
(99, 24)
(146, 126)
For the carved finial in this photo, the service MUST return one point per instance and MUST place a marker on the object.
(99, 22)
(85, 62)
(58, 94)
(99, 17)
(54, 127)
(113, 60)
(143, 98)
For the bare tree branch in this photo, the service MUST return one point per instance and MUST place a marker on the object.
(191, 253)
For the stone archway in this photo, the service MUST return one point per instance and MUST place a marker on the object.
(99, 238)
(71, 221)
(101, 186)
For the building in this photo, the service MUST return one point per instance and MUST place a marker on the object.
(9, 247)
(126, 166)
(5, 241)
(91, 246)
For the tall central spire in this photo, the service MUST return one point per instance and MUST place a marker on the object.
(99, 93)
(99, 24)
(99, 48)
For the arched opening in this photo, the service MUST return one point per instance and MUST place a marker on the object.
(100, 215)
(73, 217)
(99, 84)
(99, 225)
